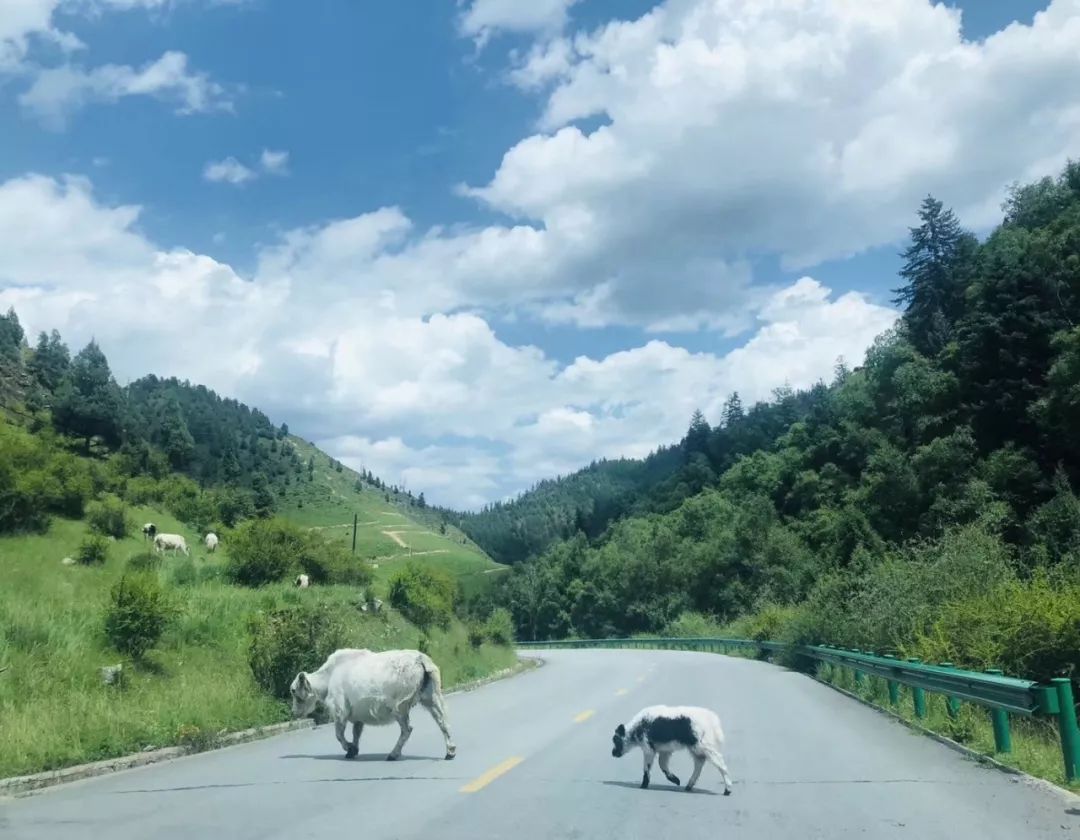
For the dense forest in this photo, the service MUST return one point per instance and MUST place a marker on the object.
(209, 460)
(921, 502)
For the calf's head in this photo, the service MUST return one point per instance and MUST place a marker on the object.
(620, 742)
(303, 696)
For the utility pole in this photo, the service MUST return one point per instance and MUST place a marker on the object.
(354, 533)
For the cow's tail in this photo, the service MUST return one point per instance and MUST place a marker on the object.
(431, 682)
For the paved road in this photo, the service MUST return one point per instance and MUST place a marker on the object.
(536, 752)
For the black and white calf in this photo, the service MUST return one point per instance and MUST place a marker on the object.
(663, 730)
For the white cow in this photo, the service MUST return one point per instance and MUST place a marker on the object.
(666, 729)
(173, 542)
(360, 687)
(302, 581)
(211, 541)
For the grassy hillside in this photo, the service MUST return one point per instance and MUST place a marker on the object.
(390, 530)
(54, 708)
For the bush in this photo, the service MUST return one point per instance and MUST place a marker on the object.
(264, 551)
(476, 632)
(287, 640)
(93, 550)
(137, 615)
(144, 561)
(499, 628)
(690, 625)
(108, 517)
(423, 595)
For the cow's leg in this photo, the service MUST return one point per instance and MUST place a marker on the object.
(339, 731)
(406, 731)
(716, 758)
(699, 762)
(357, 728)
(665, 757)
(649, 754)
(433, 702)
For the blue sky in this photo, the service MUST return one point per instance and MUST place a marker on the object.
(355, 289)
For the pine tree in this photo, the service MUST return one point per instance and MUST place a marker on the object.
(697, 435)
(733, 411)
(11, 336)
(89, 402)
(934, 263)
(176, 439)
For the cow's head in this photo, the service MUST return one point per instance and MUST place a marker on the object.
(619, 741)
(303, 696)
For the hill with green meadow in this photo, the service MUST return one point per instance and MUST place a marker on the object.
(206, 641)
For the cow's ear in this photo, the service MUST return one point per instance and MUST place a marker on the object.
(620, 730)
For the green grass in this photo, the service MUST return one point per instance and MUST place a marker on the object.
(1036, 748)
(54, 709)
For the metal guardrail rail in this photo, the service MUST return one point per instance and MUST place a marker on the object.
(1001, 695)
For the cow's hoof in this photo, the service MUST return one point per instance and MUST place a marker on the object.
(727, 792)
(352, 752)
(392, 757)
(450, 756)
(689, 788)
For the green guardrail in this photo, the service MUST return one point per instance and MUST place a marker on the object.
(1001, 695)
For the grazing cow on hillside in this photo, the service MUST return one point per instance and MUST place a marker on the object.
(666, 729)
(211, 541)
(149, 530)
(361, 687)
(302, 581)
(173, 542)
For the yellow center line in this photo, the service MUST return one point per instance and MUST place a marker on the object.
(584, 716)
(491, 775)
(620, 692)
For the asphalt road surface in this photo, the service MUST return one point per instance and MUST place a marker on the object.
(534, 762)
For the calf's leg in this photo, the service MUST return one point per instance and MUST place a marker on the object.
(665, 757)
(406, 731)
(699, 762)
(716, 758)
(357, 728)
(649, 754)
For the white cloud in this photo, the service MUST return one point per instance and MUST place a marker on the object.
(25, 20)
(229, 171)
(58, 92)
(734, 129)
(274, 162)
(442, 402)
(482, 19)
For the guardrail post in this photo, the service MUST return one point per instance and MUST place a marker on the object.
(894, 687)
(1000, 719)
(1070, 732)
(918, 694)
(952, 705)
(856, 672)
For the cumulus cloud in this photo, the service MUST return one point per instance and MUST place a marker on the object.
(483, 19)
(58, 92)
(274, 162)
(229, 171)
(445, 405)
(747, 127)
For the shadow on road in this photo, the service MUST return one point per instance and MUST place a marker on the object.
(340, 756)
(659, 788)
(289, 782)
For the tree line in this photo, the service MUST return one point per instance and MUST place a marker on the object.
(922, 501)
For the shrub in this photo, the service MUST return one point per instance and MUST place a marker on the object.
(423, 595)
(144, 561)
(477, 632)
(108, 517)
(93, 550)
(264, 551)
(287, 640)
(691, 625)
(330, 562)
(137, 615)
(182, 572)
(499, 628)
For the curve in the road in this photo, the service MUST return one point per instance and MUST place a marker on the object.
(535, 762)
